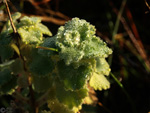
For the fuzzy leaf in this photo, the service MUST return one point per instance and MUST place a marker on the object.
(99, 82)
(102, 66)
(30, 35)
(76, 40)
(31, 30)
(43, 29)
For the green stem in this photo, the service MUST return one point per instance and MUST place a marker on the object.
(46, 48)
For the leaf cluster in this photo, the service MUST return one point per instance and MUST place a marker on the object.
(60, 67)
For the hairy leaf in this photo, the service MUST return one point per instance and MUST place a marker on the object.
(102, 66)
(99, 82)
(31, 30)
(76, 40)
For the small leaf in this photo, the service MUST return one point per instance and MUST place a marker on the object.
(102, 66)
(43, 29)
(99, 82)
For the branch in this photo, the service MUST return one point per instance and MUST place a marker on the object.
(10, 18)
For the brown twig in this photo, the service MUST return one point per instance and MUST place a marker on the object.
(51, 12)
(49, 19)
(10, 18)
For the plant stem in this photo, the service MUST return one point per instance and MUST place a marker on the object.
(10, 18)
(46, 48)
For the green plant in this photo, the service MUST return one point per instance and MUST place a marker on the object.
(38, 68)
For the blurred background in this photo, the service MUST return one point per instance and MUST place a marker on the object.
(125, 26)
